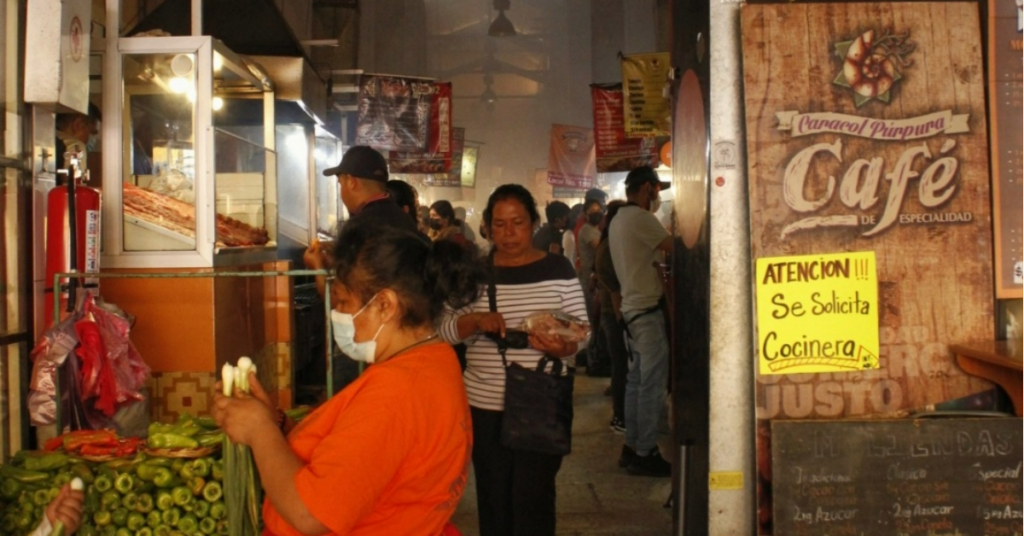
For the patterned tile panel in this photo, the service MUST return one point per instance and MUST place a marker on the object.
(174, 393)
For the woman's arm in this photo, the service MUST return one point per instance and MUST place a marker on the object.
(458, 325)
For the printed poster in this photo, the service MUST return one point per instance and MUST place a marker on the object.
(394, 113)
(817, 313)
(571, 157)
(614, 151)
(438, 156)
(453, 178)
(647, 109)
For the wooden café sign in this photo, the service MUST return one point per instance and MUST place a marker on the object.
(866, 141)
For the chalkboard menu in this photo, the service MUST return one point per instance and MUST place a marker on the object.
(928, 477)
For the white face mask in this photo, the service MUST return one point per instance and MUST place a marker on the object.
(93, 143)
(655, 201)
(344, 328)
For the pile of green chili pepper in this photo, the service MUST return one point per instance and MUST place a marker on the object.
(141, 495)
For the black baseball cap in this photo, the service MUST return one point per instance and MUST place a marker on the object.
(363, 162)
(643, 175)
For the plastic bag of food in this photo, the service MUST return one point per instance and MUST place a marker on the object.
(556, 323)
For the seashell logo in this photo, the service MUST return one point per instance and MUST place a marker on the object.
(871, 67)
(573, 140)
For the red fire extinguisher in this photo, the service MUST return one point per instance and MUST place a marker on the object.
(72, 236)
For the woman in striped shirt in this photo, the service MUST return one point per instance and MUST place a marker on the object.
(515, 489)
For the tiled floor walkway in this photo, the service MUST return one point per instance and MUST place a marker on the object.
(595, 496)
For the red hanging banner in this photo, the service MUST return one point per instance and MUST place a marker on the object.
(438, 157)
(614, 151)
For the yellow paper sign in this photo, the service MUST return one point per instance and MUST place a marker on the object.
(817, 313)
(723, 480)
(646, 110)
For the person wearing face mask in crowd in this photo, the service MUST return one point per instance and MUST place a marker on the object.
(444, 225)
(388, 454)
(598, 362)
(77, 133)
(636, 241)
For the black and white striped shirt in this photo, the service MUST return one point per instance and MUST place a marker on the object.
(547, 284)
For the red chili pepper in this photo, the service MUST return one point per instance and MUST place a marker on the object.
(102, 438)
(54, 444)
(128, 446)
(98, 450)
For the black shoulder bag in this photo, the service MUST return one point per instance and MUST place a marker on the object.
(538, 404)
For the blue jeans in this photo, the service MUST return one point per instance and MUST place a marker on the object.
(647, 380)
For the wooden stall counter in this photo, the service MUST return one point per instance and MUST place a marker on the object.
(996, 361)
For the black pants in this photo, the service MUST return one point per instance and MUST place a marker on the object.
(515, 490)
(619, 356)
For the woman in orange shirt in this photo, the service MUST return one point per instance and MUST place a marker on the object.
(388, 454)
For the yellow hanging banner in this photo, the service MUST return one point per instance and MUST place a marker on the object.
(817, 313)
(647, 109)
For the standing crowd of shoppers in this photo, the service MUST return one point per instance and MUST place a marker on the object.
(390, 453)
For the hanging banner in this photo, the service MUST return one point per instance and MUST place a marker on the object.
(394, 113)
(648, 111)
(438, 157)
(453, 178)
(614, 151)
(571, 157)
(469, 159)
(817, 313)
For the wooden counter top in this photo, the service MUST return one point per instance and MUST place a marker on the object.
(996, 361)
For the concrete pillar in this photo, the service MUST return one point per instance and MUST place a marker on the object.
(730, 511)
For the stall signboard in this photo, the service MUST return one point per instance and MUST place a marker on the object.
(453, 178)
(571, 157)
(1006, 94)
(817, 313)
(438, 156)
(614, 151)
(394, 112)
(869, 134)
(866, 132)
(646, 106)
(469, 159)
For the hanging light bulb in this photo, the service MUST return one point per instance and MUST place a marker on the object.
(502, 27)
(488, 96)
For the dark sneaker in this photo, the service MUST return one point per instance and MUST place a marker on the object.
(627, 457)
(618, 425)
(651, 465)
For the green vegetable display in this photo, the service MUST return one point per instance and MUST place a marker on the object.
(137, 496)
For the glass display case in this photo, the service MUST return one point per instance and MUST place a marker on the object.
(198, 170)
(329, 209)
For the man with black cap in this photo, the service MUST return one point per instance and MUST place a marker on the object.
(636, 240)
(362, 177)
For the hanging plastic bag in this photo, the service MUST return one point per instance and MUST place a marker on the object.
(554, 323)
(113, 373)
(50, 352)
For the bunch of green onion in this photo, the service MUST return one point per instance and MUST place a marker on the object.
(241, 494)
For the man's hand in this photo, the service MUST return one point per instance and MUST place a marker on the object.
(315, 256)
